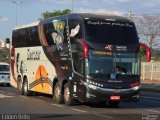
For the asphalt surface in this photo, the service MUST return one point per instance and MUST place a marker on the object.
(154, 87)
(42, 107)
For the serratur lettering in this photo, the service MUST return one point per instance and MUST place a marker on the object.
(33, 55)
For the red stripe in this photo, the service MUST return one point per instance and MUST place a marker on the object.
(41, 34)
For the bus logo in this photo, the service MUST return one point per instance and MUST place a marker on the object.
(113, 76)
(108, 47)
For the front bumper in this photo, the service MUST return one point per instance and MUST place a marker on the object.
(104, 94)
(3, 81)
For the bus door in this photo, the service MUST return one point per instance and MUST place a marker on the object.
(75, 30)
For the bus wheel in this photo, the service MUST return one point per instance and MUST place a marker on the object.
(20, 86)
(57, 96)
(114, 103)
(67, 98)
(8, 84)
(26, 91)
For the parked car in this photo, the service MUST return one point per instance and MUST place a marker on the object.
(4, 74)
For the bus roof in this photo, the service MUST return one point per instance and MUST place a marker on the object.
(109, 17)
(3, 63)
(103, 16)
(27, 25)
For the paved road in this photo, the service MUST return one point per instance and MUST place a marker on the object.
(42, 107)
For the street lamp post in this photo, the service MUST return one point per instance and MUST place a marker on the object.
(16, 3)
(72, 6)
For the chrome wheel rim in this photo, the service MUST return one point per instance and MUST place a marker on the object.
(57, 92)
(25, 87)
(20, 86)
(66, 94)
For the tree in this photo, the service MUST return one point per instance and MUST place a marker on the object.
(4, 55)
(55, 13)
(149, 30)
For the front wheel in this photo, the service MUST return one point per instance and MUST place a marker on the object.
(67, 97)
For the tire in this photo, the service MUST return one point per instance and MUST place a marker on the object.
(114, 103)
(102, 103)
(57, 94)
(67, 97)
(27, 92)
(20, 88)
(8, 85)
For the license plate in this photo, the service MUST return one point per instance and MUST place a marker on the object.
(114, 97)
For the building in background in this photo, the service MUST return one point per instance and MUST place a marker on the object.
(4, 44)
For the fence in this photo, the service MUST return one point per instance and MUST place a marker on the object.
(150, 71)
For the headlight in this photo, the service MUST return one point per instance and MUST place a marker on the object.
(93, 85)
(136, 87)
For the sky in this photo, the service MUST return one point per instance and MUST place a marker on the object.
(30, 10)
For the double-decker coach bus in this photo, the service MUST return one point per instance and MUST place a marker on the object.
(82, 57)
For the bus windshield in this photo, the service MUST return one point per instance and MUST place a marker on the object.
(101, 62)
(111, 32)
(4, 67)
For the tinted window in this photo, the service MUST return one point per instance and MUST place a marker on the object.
(48, 29)
(73, 24)
(26, 37)
(54, 29)
(111, 32)
(4, 68)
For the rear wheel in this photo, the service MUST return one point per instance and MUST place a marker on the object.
(20, 89)
(27, 92)
(103, 103)
(67, 97)
(114, 103)
(57, 94)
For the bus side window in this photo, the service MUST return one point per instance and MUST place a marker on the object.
(48, 29)
(55, 32)
(81, 63)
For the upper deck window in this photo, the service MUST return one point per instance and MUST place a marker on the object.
(111, 32)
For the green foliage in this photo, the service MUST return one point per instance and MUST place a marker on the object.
(155, 55)
(55, 13)
(142, 52)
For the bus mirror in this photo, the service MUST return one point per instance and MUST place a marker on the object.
(147, 50)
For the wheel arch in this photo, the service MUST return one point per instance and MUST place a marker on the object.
(55, 80)
(24, 78)
(19, 77)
